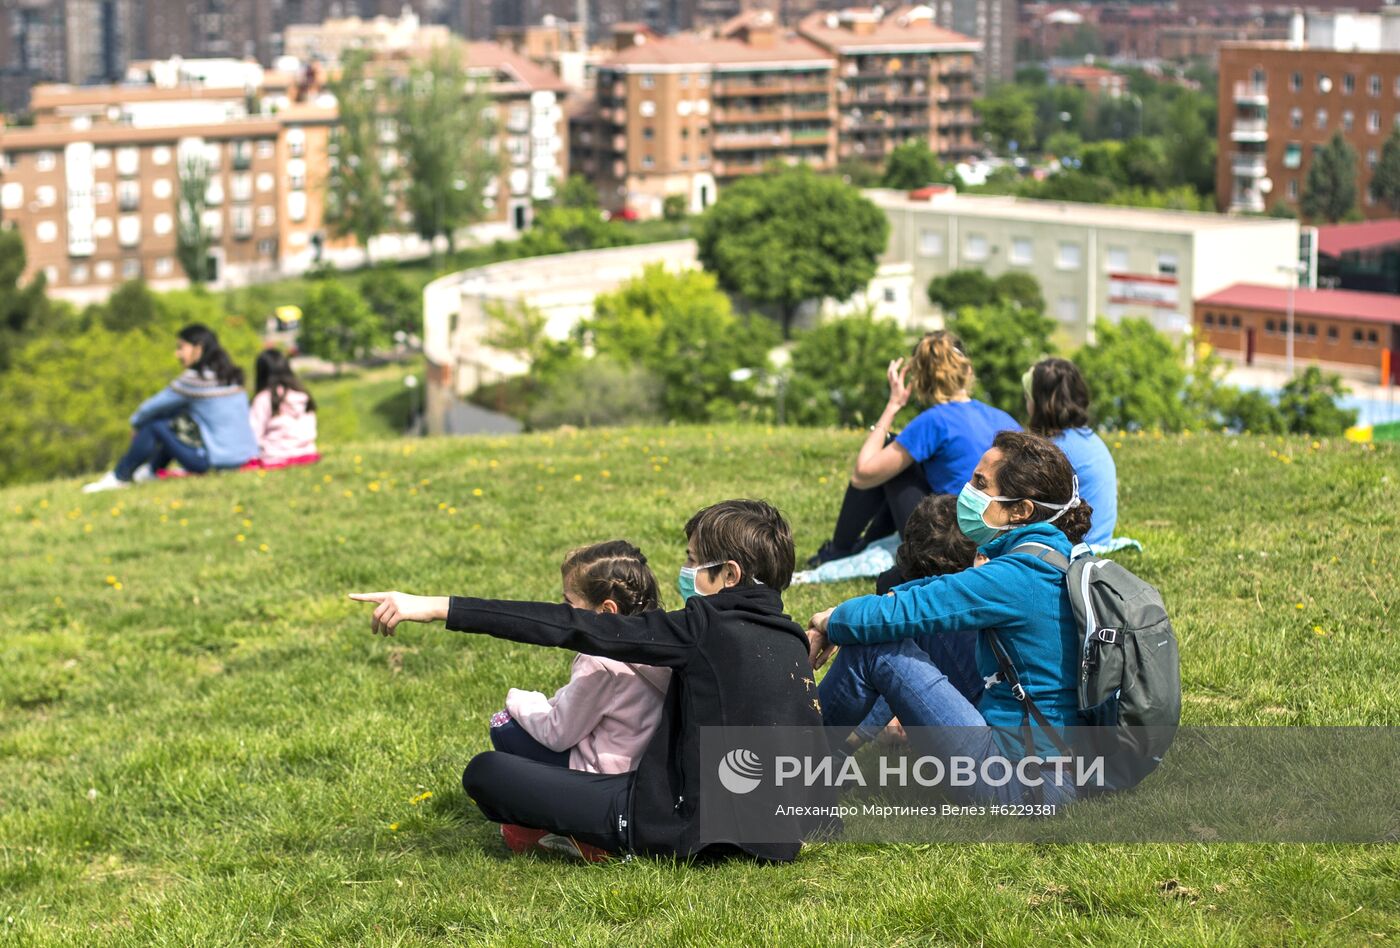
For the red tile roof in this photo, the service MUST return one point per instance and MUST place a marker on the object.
(1337, 304)
(496, 56)
(1341, 238)
(688, 48)
(889, 32)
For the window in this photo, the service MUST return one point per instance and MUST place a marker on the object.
(976, 247)
(1258, 79)
(1371, 158)
(102, 192)
(214, 193)
(102, 227)
(1348, 84)
(646, 108)
(1269, 327)
(890, 295)
(1293, 188)
(242, 187)
(1373, 85)
(1166, 263)
(267, 248)
(45, 161)
(128, 195)
(648, 161)
(1067, 309)
(296, 182)
(1021, 251)
(1117, 259)
(11, 196)
(129, 230)
(160, 155)
(703, 80)
(296, 206)
(161, 188)
(267, 215)
(131, 268)
(1373, 121)
(684, 80)
(1068, 256)
(1234, 322)
(1312, 330)
(162, 224)
(1210, 320)
(1321, 122)
(296, 142)
(214, 223)
(128, 162)
(1357, 337)
(1295, 117)
(241, 219)
(647, 81)
(1348, 120)
(1372, 339)
(930, 243)
(102, 158)
(1295, 82)
(46, 231)
(103, 271)
(1324, 85)
(78, 273)
(265, 182)
(1331, 335)
(265, 148)
(1292, 154)
(648, 133)
(684, 160)
(164, 266)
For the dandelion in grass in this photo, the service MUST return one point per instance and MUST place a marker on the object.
(87, 528)
(578, 477)
(237, 508)
(347, 494)
(425, 795)
(247, 523)
(477, 492)
(452, 511)
(184, 522)
(240, 538)
(373, 487)
(393, 827)
(1318, 630)
(1298, 606)
(327, 479)
(262, 548)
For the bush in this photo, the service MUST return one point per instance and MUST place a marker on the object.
(1308, 404)
(394, 301)
(674, 208)
(599, 392)
(838, 371)
(337, 323)
(1137, 378)
(1002, 340)
(69, 394)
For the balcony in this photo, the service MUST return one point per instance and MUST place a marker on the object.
(737, 89)
(1250, 200)
(1247, 93)
(1248, 165)
(1250, 130)
(751, 140)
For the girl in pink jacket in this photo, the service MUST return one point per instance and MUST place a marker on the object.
(602, 720)
(283, 413)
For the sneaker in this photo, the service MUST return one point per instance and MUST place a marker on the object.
(521, 839)
(827, 553)
(142, 474)
(568, 846)
(108, 481)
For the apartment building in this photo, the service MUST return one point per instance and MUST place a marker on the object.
(899, 76)
(328, 41)
(1092, 261)
(1281, 102)
(684, 114)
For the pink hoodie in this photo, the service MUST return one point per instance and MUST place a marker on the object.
(291, 433)
(604, 717)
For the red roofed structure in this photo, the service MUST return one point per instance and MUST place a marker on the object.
(1338, 239)
(1344, 330)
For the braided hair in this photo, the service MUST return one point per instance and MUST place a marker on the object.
(616, 570)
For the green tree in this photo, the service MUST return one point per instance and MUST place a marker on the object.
(24, 308)
(359, 189)
(1143, 164)
(1190, 146)
(562, 229)
(1073, 186)
(1329, 191)
(1308, 403)
(911, 165)
(859, 173)
(578, 192)
(1020, 291)
(445, 137)
(953, 291)
(1137, 377)
(792, 236)
(1002, 341)
(131, 306)
(597, 392)
(1008, 115)
(1385, 180)
(681, 328)
(674, 207)
(337, 323)
(1251, 412)
(837, 373)
(191, 235)
(398, 306)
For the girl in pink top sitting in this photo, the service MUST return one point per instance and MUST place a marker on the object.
(283, 413)
(603, 719)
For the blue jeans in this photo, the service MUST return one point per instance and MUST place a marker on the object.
(945, 723)
(956, 655)
(155, 442)
(511, 738)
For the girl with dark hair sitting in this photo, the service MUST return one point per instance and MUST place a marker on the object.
(1057, 401)
(210, 393)
(283, 413)
(1022, 491)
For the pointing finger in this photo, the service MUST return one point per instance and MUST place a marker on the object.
(368, 597)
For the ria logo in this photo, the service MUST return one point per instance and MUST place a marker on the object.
(740, 771)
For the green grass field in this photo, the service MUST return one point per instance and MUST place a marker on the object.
(202, 743)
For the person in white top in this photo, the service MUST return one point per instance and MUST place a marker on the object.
(283, 413)
(602, 720)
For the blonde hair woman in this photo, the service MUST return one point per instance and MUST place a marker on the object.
(936, 453)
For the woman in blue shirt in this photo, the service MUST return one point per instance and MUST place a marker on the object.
(1057, 402)
(210, 392)
(1022, 491)
(935, 453)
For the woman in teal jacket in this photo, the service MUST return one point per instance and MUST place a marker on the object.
(1022, 491)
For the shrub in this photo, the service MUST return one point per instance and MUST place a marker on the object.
(599, 392)
(837, 374)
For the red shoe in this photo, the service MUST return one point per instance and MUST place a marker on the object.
(568, 846)
(521, 839)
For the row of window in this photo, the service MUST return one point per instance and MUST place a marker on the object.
(128, 158)
(128, 229)
(1324, 83)
(104, 271)
(1069, 255)
(1373, 120)
(1279, 327)
(1221, 321)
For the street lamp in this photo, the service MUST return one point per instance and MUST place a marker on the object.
(1295, 270)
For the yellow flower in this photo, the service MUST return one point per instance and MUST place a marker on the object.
(477, 492)
(237, 508)
(327, 479)
(821, 480)
(425, 795)
(164, 518)
(656, 468)
(578, 477)
(111, 580)
(184, 522)
(117, 587)
(262, 547)
(606, 474)
(393, 827)
(1298, 606)
(116, 511)
(87, 528)
(452, 511)
(1318, 630)
(247, 522)
(43, 505)
(413, 492)
(442, 505)
(347, 494)
(357, 459)
(493, 463)
(374, 487)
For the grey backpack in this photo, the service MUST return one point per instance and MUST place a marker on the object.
(1129, 671)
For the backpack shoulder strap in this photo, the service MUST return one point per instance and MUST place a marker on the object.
(1046, 553)
(1029, 710)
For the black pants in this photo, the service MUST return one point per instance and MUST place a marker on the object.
(592, 808)
(511, 738)
(873, 512)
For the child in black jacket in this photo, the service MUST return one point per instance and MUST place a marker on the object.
(737, 661)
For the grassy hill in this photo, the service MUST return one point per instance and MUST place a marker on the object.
(201, 742)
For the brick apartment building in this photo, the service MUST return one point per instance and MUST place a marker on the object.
(684, 114)
(94, 185)
(1280, 102)
(899, 76)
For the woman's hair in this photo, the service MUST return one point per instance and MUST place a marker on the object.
(272, 373)
(941, 370)
(1035, 469)
(1059, 397)
(614, 570)
(933, 544)
(212, 356)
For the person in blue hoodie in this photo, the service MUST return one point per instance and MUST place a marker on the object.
(209, 393)
(1023, 490)
(1057, 402)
